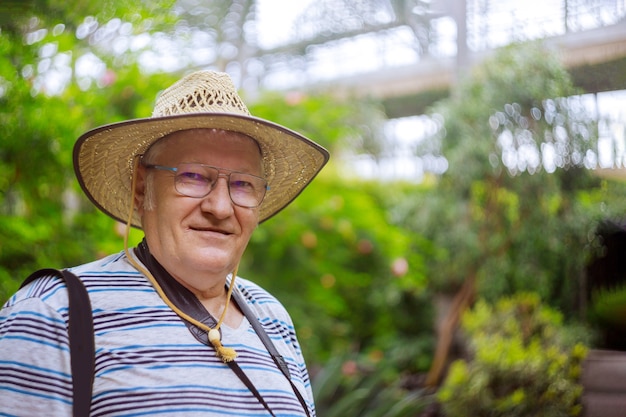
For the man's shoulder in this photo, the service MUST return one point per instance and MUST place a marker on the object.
(49, 288)
(260, 300)
(254, 292)
(114, 263)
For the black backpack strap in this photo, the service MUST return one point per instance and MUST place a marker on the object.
(81, 337)
(260, 331)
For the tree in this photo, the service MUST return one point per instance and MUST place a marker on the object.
(45, 104)
(508, 214)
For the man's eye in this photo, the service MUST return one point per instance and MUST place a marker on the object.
(192, 176)
(241, 184)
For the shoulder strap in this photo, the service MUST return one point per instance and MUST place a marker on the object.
(81, 337)
(260, 331)
(234, 366)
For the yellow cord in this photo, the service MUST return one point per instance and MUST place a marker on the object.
(226, 354)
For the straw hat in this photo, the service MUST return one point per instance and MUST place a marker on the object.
(103, 157)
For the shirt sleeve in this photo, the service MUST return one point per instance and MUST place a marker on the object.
(35, 377)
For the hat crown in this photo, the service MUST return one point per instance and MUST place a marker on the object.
(200, 92)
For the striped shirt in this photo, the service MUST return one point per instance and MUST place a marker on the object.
(147, 362)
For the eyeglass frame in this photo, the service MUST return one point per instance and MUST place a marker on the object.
(221, 172)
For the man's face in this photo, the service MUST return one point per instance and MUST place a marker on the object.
(198, 238)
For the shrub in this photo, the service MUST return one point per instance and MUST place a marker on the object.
(524, 362)
(608, 307)
(366, 386)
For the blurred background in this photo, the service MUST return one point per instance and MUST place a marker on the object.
(463, 252)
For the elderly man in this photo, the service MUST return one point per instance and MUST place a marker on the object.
(176, 331)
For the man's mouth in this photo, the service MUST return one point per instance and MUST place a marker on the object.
(210, 229)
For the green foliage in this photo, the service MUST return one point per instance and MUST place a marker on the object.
(608, 308)
(328, 122)
(17, 15)
(45, 221)
(337, 248)
(513, 226)
(523, 362)
(365, 387)
(362, 278)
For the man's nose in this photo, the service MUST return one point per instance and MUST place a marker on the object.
(218, 201)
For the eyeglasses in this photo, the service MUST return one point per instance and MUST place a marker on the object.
(198, 180)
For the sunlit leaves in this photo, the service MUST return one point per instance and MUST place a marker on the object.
(559, 133)
(522, 362)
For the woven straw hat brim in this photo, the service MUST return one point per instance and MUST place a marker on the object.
(103, 158)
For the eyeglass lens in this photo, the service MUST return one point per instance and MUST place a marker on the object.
(197, 180)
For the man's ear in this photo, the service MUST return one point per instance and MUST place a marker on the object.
(140, 189)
